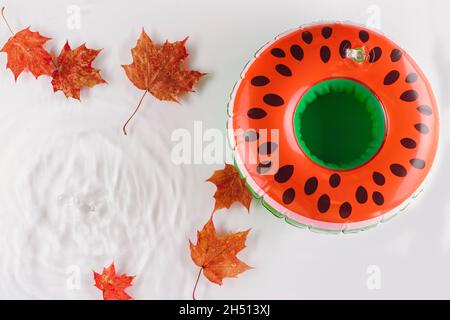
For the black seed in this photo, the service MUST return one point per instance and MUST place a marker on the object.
(417, 163)
(361, 195)
(251, 135)
(412, 77)
(256, 113)
(422, 128)
(277, 52)
(267, 148)
(391, 77)
(260, 81)
(398, 170)
(263, 167)
(273, 100)
(363, 36)
(323, 204)
(326, 32)
(284, 173)
(409, 95)
(345, 210)
(424, 109)
(297, 52)
(334, 180)
(396, 54)
(345, 44)
(311, 186)
(408, 143)
(378, 198)
(325, 54)
(288, 196)
(375, 54)
(307, 37)
(283, 70)
(378, 178)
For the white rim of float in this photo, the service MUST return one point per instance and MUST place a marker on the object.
(278, 209)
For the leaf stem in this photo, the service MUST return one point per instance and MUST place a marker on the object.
(6, 21)
(132, 115)
(196, 283)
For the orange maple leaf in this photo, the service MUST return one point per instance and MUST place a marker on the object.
(216, 254)
(230, 188)
(113, 286)
(74, 70)
(160, 70)
(25, 51)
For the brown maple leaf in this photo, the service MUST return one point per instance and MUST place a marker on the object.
(25, 51)
(160, 70)
(230, 188)
(216, 254)
(74, 70)
(113, 286)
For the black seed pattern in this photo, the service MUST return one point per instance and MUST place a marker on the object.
(422, 128)
(412, 77)
(391, 77)
(307, 37)
(408, 143)
(273, 100)
(361, 195)
(417, 163)
(267, 148)
(323, 204)
(378, 198)
(284, 173)
(334, 180)
(396, 54)
(363, 36)
(251, 135)
(398, 170)
(345, 210)
(256, 113)
(345, 44)
(277, 52)
(325, 54)
(424, 109)
(409, 96)
(260, 81)
(283, 70)
(375, 54)
(263, 167)
(311, 186)
(378, 178)
(288, 196)
(297, 52)
(326, 32)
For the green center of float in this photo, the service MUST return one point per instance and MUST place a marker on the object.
(339, 124)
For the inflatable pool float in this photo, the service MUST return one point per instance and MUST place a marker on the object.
(334, 126)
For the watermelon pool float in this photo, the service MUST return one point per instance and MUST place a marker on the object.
(334, 126)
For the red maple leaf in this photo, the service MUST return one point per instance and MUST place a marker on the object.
(230, 188)
(74, 70)
(160, 70)
(113, 286)
(216, 254)
(25, 51)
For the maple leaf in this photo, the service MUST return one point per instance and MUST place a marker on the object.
(74, 70)
(25, 51)
(113, 286)
(216, 254)
(160, 70)
(230, 188)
